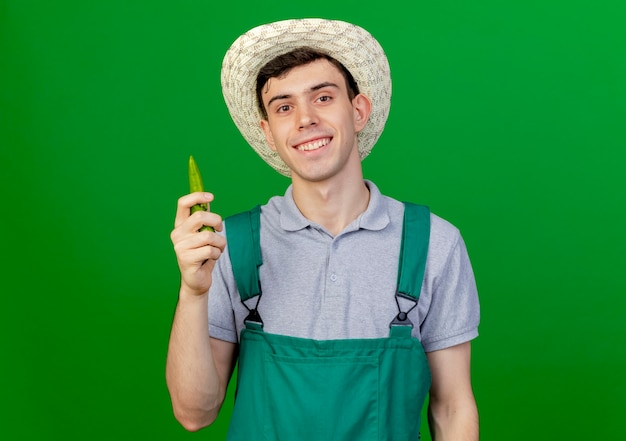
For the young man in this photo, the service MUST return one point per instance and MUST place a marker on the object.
(343, 307)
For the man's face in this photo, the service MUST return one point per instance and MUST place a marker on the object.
(312, 124)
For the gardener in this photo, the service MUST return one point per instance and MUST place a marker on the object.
(343, 307)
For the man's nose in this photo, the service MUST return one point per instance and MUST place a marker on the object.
(306, 116)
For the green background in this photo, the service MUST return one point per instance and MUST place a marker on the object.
(508, 119)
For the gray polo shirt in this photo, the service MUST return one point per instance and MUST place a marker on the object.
(322, 287)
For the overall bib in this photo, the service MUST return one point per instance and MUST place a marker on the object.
(297, 389)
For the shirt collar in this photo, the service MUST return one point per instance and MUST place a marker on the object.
(375, 217)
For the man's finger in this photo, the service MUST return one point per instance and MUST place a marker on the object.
(185, 203)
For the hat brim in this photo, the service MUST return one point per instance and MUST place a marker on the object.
(349, 44)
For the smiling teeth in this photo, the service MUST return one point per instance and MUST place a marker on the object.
(313, 145)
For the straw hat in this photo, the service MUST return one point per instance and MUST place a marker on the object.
(351, 45)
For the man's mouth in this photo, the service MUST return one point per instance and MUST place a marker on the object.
(313, 145)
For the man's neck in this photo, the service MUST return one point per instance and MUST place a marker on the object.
(333, 205)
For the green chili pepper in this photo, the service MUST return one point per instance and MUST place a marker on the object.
(195, 184)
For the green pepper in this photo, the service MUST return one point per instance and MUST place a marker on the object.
(195, 184)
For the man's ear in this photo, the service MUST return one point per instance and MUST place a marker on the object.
(362, 109)
(265, 126)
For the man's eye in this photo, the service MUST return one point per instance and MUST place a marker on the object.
(324, 98)
(283, 108)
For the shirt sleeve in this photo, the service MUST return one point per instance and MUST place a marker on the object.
(222, 323)
(454, 312)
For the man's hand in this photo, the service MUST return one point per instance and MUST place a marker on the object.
(196, 251)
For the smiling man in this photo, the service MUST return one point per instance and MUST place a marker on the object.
(312, 124)
(343, 307)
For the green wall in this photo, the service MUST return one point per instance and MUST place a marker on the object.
(508, 119)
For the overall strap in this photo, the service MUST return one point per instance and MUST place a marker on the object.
(413, 255)
(243, 235)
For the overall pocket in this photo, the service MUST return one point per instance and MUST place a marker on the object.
(321, 398)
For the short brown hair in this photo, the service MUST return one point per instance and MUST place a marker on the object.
(294, 58)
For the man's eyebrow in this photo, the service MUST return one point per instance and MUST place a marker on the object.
(322, 85)
(312, 89)
(277, 97)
